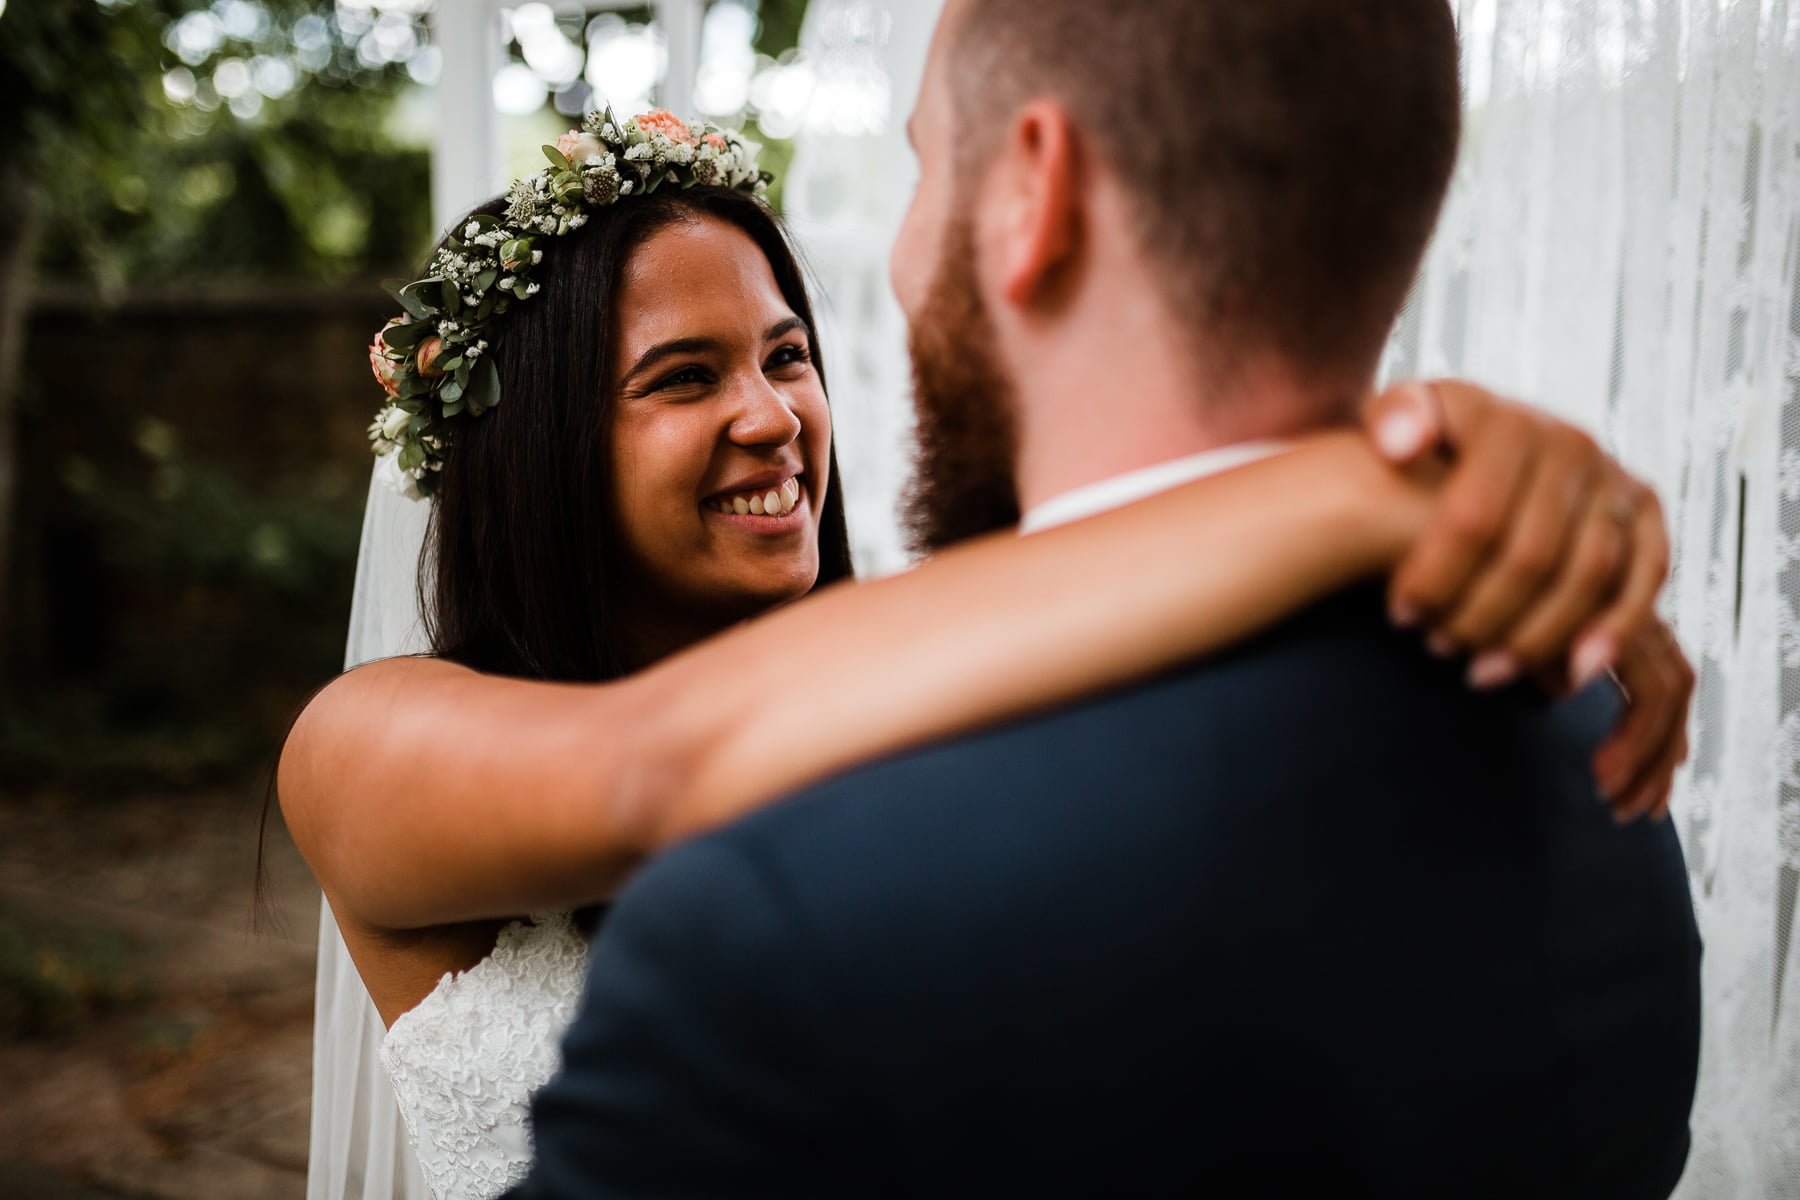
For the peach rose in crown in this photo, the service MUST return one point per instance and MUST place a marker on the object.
(661, 120)
(716, 141)
(387, 371)
(430, 350)
(578, 147)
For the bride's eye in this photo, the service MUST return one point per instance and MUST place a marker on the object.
(790, 355)
(685, 377)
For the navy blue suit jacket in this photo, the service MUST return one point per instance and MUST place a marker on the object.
(1311, 914)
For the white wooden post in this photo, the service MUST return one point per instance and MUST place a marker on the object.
(465, 153)
(681, 21)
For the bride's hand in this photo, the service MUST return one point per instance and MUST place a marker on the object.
(1544, 558)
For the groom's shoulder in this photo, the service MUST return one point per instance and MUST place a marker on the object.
(1336, 675)
(1333, 696)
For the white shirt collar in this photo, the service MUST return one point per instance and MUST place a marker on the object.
(1129, 488)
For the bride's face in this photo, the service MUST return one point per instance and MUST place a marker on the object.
(721, 436)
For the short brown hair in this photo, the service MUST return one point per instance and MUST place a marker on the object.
(1290, 156)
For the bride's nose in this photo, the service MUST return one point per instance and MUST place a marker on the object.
(761, 415)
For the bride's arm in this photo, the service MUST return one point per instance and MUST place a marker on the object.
(423, 793)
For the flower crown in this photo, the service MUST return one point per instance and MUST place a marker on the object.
(432, 361)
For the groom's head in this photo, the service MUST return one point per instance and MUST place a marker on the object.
(1231, 194)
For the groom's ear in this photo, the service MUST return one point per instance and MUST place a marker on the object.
(1038, 224)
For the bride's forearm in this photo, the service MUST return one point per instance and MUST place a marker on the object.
(1011, 625)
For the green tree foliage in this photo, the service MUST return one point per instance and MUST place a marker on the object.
(148, 173)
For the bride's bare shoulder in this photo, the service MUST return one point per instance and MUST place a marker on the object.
(345, 720)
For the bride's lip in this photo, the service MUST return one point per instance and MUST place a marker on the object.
(762, 481)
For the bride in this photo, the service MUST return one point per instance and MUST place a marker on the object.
(609, 388)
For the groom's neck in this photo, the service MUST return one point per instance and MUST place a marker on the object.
(1127, 392)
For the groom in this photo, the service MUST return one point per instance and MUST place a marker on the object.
(1311, 916)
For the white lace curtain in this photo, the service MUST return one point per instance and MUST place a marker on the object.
(1622, 245)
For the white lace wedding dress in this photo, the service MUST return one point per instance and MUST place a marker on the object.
(466, 1061)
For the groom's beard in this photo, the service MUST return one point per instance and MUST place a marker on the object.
(962, 484)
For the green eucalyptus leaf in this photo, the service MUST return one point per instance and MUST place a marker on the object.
(483, 390)
(424, 294)
(452, 299)
(485, 280)
(451, 363)
(407, 300)
(405, 337)
(451, 390)
(454, 408)
(412, 456)
(558, 158)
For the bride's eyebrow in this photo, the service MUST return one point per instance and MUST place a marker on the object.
(782, 328)
(667, 350)
(699, 345)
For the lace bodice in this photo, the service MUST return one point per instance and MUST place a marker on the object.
(465, 1062)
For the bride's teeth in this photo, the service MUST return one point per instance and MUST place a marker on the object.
(776, 502)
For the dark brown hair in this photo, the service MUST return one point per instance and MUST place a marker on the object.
(1289, 156)
(522, 563)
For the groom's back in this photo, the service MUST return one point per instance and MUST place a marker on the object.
(1312, 912)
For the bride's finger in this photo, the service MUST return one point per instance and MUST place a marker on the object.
(1642, 753)
(1516, 580)
(1636, 508)
(1474, 510)
(1587, 580)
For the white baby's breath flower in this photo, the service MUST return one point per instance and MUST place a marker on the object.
(531, 289)
(473, 352)
(470, 230)
(507, 282)
(537, 256)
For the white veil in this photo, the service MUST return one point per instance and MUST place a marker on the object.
(359, 1147)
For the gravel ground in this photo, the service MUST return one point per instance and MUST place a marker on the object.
(194, 1082)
